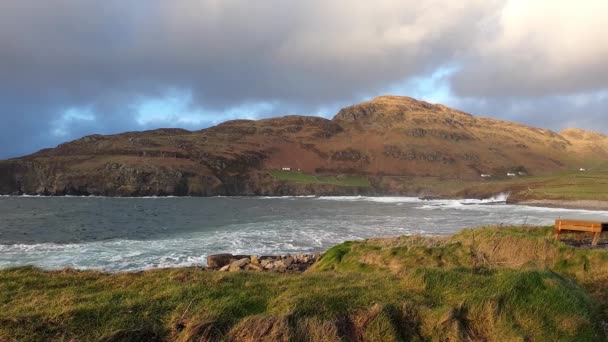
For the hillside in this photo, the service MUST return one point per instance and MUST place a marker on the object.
(378, 146)
(522, 285)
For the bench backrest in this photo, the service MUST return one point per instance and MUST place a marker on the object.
(585, 226)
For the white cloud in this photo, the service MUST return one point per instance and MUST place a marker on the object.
(540, 48)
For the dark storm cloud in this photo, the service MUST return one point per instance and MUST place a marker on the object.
(302, 57)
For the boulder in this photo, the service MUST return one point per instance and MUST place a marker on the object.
(219, 260)
(239, 264)
(288, 261)
(254, 267)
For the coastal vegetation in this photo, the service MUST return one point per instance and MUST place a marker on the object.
(494, 284)
(590, 184)
(305, 178)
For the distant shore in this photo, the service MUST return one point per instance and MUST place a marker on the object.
(595, 205)
(567, 204)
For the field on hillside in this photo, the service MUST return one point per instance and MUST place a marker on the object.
(568, 185)
(304, 178)
(591, 184)
(485, 284)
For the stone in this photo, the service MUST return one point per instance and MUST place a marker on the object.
(255, 259)
(219, 260)
(224, 268)
(288, 261)
(254, 267)
(238, 264)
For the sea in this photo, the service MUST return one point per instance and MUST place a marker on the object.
(134, 234)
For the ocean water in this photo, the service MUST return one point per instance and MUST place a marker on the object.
(130, 234)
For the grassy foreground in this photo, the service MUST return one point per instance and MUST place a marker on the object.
(494, 284)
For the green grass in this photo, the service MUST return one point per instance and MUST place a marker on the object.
(486, 284)
(567, 185)
(304, 178)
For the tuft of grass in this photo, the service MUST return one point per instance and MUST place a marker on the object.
(304, 178)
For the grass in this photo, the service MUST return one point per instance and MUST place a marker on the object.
(567, 185)
(304, 178)
(486, 284)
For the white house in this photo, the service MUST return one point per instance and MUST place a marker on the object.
(485, 175)
(286, 169)
(510, 174)
(582, 170)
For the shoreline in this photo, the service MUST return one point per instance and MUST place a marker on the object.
(592, 205)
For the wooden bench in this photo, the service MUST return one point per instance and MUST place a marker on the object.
(573, 226)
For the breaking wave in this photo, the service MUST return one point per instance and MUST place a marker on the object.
(152, 234)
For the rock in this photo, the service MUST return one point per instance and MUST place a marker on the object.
(219, 260)
(299, 267)
(279, 266)
(254, 267)
(288, 261)
(238, 264)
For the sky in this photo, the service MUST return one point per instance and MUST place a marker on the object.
(70, 68)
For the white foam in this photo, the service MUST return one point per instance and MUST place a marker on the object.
(285, 234)
(282, 197)
(285, 237)
(371, 199)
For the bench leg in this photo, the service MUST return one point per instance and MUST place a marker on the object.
(596, 239)
(556, 233)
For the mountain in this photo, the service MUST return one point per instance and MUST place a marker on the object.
(385, 141)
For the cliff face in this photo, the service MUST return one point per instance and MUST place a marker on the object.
(388, 136)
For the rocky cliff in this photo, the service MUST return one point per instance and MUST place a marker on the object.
(387, 137)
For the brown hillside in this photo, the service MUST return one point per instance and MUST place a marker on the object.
(387, 136)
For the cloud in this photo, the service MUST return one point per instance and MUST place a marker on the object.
(129, 64)
(539, 48)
